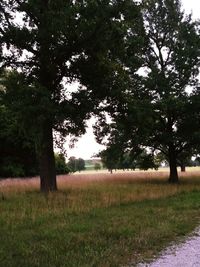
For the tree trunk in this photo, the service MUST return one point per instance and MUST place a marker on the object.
(182, 168)
(47, 160)
(173, 177)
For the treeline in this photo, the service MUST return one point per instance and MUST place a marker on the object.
(72, 165)
(22, 162)
(142, 161)
(127, 161)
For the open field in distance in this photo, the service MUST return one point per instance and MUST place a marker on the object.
(188, 180)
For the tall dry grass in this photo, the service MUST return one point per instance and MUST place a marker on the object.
(82, 192)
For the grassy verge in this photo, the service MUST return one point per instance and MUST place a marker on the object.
(107, 223)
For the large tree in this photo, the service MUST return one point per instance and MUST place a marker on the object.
(154, 108)
(172, 63)
(53, 43)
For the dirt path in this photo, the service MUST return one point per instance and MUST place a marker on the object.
(186, 254)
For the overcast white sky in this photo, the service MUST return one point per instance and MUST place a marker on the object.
(86, 146)
(192, 6)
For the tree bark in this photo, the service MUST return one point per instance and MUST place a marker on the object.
(173, 176)
(182, 168)
(47, 160)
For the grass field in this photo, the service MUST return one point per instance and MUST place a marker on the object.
(96, 219)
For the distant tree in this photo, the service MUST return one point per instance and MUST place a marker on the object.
(71, 164)
(195, 162)
(61, 166)
(183, 160)
(75, 164)
(146, 161)
(97, 166)
(110, 158)
(124, 161)
(80, 164)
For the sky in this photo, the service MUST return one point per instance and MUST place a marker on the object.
(192, 6)
(86, 147)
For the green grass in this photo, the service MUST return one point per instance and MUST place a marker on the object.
(101, 224)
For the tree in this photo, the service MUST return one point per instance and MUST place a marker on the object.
(154, 108)
(183, 160)
(125, 161)
(97, 166)
(80, 165)
(59, 42)
(172, 61)
(76, 164)
(71, 164)
(61, 166)
(146, 161)
(110, 158)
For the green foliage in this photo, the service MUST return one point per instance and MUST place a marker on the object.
(97, 166)
(71, 164)
(146, 161)
(11, 169)
(154, 108)
(80, 165)
(76, 164)
(110, 158)
(172, 62)
(18, 156)
(74, 41)
(113, 159)
(61, 166)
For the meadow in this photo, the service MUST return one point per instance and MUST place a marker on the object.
(95, 219)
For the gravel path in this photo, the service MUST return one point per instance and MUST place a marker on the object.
(186, 254)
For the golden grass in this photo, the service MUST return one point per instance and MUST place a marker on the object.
(82, 192)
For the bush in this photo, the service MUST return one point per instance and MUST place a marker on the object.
(11, 169)
(61, 166)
